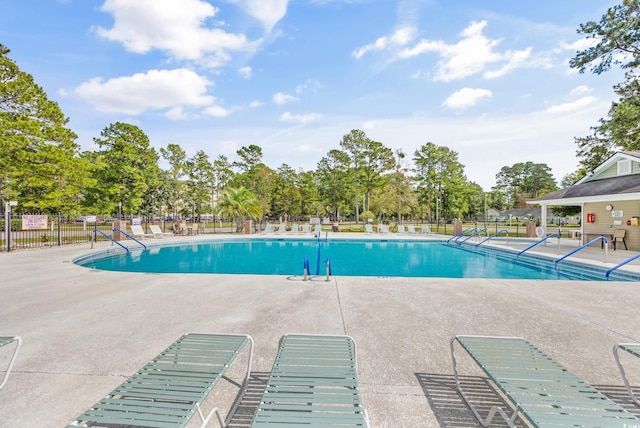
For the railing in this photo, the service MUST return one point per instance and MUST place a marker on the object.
(621, 264)
(540, 242)
(604, 240)
(493, 236)
(35, 231)
(476, 232)
(461, 234)
(109, 238)
(130, 237)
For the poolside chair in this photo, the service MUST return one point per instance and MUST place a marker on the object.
(618, 236)
(268, 228)
(411, 229)
(282, 228)
(179, 229)
(4, 341)
(169, 390)
(306, 228)
(368, 228)
(317, 229)
(138, 232)
(314, 382)
(540, 390)
(157, 232)
(633, 349)
(426, 229)
(295, 228)
(383, 228)
(401, 228)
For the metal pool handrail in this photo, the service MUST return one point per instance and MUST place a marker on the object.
(109, 238)
(621, 264)
(461, 233)
(493, 236)
(476, 232)
(130, 237)
(599, 238)
(540, 242)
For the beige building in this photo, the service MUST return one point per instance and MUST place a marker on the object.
(609, 198)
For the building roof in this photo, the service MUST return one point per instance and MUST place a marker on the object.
(593, 175)
(614, 188)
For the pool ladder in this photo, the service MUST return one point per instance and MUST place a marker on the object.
(307, 276)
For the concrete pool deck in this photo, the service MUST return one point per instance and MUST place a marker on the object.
(86, 331)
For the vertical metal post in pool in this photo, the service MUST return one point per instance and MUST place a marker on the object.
(318, 261)
(328, 267)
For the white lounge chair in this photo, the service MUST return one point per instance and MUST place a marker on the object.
(411, 229)
(401, 228)
(426, 229)
(383, 228)
(282, 228)
(295, 228)
(268, 228)
(138, 232)
(157, 232)
(306, 228)
(368, 228)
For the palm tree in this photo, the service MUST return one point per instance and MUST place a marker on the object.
(239, 203)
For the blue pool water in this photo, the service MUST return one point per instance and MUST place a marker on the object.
(347, 258)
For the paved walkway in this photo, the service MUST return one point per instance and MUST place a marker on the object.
(86, 331)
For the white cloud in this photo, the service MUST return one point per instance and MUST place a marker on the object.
(401, 37)
(299, 118)
(245, 72)
(310, 85)
(581, 44)
(473, 54)
(283, 98)
(155, 89)
(217, 111)
(268, 12)
(579, 90)
(465, 98)
(255, 104)
(176, 113)
(174, 26)
(571, 106)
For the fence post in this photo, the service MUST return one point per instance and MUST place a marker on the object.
(7, 227)
(59, 231)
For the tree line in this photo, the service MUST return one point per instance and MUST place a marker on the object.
(43, 168)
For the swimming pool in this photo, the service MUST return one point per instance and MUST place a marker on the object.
(382, 258)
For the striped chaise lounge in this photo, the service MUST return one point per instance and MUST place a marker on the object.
(633, 349)
(314, 382)
(169, 390)
(540, 390)
(6, 340)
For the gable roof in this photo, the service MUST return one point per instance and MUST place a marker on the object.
(593, 175)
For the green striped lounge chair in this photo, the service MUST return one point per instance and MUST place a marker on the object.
(313, 383)
(538, 389)
(6, 341)
(634, 350)
(170, 389)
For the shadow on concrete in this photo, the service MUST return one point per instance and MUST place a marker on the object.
(618, 393)
(450, 409)
(452, 412)
(250, 401)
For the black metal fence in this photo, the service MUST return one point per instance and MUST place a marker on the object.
(36, 231)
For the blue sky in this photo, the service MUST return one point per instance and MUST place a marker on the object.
(489, 80)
